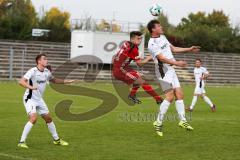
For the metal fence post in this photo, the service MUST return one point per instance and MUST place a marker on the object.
(23, 57)
(11, 64)
(69, 56)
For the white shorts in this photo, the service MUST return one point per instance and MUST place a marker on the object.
(35, 106)
(169, 81)
(199, 90)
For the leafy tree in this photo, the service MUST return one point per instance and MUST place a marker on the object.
(218, 19)
(17, 18)
(58, 23)
(212, 32)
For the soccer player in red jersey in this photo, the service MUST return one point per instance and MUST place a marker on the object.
(129, 52)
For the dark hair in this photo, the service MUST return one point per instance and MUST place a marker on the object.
(151, 25)
(39, 57)
(198, 59)
(135, 33)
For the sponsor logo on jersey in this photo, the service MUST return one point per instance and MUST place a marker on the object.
(39, 81)
(164, 46)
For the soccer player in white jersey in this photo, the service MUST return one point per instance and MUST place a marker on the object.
(162, 53)
(35, 81)
(200, 74)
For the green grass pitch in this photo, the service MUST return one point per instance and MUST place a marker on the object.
(216, 136)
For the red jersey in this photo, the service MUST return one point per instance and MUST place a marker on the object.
(128, 52)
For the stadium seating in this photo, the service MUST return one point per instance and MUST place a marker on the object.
(224, 67)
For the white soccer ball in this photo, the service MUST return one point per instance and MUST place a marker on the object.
(155, 10)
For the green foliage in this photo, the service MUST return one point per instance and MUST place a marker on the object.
(210, 31)
(58, 23)
(17, 18)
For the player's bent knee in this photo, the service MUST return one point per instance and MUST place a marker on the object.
(170, 98)
(179, 94)
(180, 97)
(47, 118)
(33, 118)
(48, 121)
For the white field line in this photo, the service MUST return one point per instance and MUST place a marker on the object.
(15, 157)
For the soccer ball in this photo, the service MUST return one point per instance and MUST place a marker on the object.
(155, 10)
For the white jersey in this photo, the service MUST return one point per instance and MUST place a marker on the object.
(165, 72)
(198, 73)
(162, 46)
(37, 78)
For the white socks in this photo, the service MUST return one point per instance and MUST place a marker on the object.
(52, 130)
(194, 101)
(29, 125)
(208, 101)
(163, 109)
(180, 109)
(26, 131)
(205, 98)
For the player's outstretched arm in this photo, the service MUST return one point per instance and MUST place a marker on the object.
(61, 81)
(142, 62)
(24, 83)
(171, 62)
(193, 49)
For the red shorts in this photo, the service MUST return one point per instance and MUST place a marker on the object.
(129, 77)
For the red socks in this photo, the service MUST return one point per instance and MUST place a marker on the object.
(148, 88)
(134, 90)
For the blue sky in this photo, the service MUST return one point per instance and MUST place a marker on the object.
(137, 10)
